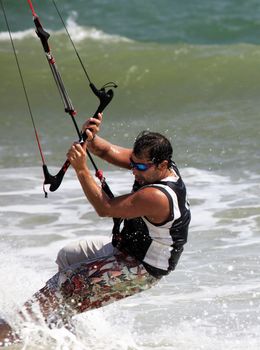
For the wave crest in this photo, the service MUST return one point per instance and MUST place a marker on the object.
(78, 33)
(20, 35)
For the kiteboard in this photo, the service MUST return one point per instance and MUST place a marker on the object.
(86, 286)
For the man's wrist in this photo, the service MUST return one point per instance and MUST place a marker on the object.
(82, 171)
(89, 141)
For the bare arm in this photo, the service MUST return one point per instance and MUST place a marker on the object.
(111, 153)
(149, 202)
(100, 147)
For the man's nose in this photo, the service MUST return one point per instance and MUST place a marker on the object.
(134, 171)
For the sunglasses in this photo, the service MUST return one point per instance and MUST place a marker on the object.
(140, 166)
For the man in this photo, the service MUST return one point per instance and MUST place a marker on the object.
(95, 272)
(156, 212)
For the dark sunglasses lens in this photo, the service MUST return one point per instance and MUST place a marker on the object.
(139, 166)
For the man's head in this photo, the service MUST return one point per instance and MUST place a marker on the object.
(154, 147)
(151, 157)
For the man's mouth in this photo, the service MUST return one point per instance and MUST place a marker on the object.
(139, 180)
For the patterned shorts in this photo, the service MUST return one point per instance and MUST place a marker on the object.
(91, 285)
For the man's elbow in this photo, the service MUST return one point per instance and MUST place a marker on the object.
(103, 212)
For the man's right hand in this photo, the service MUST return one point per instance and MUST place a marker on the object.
(92, 126)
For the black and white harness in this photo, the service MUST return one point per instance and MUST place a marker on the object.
(158, 246)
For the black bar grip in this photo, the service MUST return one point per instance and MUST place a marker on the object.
(104, 97)
(42, 34)
(55, 180)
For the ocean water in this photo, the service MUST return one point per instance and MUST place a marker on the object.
(188, 69)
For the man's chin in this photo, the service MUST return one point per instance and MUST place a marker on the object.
(140, 181)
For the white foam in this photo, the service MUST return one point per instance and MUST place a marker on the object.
(19, 35)
(78, 33)
(210, 302)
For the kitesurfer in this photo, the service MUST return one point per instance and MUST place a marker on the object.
(151, 227)
(156, 212)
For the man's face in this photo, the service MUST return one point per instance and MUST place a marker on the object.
(144, 170)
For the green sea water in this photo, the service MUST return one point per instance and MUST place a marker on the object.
(188, 69)
(205, 98)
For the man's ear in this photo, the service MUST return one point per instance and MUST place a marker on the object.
(163, 165)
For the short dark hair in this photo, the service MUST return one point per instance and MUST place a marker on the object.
(153, 145)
